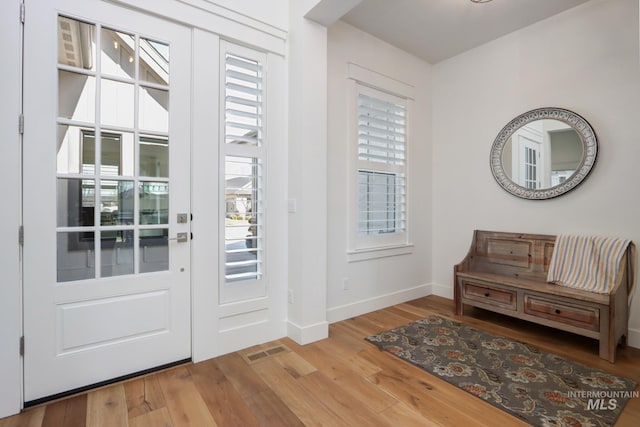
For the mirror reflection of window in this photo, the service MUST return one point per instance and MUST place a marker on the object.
(542, 154)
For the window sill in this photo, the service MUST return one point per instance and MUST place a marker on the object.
(378, 252)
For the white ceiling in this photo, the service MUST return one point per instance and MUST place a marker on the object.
(435, 30)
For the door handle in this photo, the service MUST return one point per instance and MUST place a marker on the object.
(180, 237)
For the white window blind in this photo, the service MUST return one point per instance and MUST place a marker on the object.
(243, 168)
(381, 130)
(243, 101)
(381, 164)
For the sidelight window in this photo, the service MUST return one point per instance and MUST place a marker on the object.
(243, 160)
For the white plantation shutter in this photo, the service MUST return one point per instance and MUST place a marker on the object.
(243, 100)
(244, 161)
(382, 124)
(381, 131)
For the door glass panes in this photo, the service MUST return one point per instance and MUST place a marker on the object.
(76, 96)
(243, 101)
(117, 103)
(76, 43)
(117, 53)
(154, 156)
(76, 150)
(117, 154)
(76, 202)
(76, 256)
(154, 250)
(156, 56)
(154, 202)
(110, 222)
(243, 219)
(154, 109)
(116, 202)
(116, 253)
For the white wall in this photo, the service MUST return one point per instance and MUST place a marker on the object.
(585, 60)
(271, 12)
(376, 283)
(261, 23)
(307, 106)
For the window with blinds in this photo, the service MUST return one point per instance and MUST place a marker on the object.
(244, 159)
(381, 164)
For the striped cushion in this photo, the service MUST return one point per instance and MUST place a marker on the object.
(587, 263)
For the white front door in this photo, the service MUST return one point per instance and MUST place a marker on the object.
(530, 164)
(106, 194)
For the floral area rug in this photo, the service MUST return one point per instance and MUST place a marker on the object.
(540, 388)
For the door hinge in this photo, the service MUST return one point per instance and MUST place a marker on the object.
(22, 8)
(21, 124)
(21, 235)
(22, 345)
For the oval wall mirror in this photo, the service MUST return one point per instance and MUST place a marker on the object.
(543, 153)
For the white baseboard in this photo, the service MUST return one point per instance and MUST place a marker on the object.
(307, 334)
(444, 291)
(357, 308)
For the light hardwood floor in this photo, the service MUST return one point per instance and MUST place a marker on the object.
(340, 381)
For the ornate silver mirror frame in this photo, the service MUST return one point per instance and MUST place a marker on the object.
(586, 163)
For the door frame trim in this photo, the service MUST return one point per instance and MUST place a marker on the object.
(10, 251)
(11, 299)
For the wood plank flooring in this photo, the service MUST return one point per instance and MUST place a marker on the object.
(340, 381)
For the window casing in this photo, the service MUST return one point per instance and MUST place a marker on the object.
(380, 170)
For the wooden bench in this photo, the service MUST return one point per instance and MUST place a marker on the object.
(506, 273)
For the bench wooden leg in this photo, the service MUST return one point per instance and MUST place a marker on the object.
(607, 349)
(457, 298)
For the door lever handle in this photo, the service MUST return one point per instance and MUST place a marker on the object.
(180, 238)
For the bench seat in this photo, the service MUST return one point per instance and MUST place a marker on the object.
(506, 273)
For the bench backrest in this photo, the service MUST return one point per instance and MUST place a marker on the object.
(510, 254)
